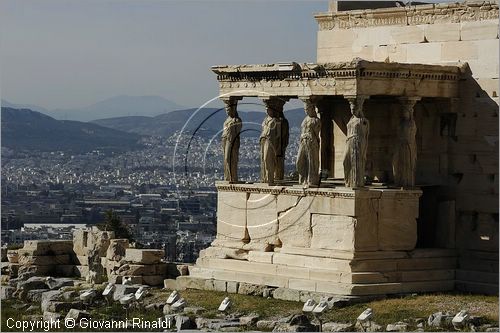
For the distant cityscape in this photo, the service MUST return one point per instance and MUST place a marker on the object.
(46, 195)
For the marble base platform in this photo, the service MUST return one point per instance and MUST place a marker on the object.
(333, 241)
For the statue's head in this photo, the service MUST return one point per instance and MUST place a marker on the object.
(271, 109)
(406, 114)
(356, 105)
(407, 111)
(231, 109)
(310, 109)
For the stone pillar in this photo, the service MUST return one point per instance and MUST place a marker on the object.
(309, 147)
(273, 140)
(231, 138)
(284, 133)
(358, 129)
(327, 149)
(404, 161)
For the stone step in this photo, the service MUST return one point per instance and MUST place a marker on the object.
(238, 276)
(476, 276)
(329, 287)
(366, 255)
(477, 287)
(488, 255)
(332, 275)
(386, 288)
(372, 265)
(478, 264)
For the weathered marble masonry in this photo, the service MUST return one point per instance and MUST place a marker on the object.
(411, 205)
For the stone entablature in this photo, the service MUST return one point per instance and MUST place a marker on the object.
(298, 190)
(332, 79)
(356, 68)
(410, 15)
(320, 86)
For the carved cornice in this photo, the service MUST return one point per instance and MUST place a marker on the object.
(276, 190)
(322, 192)
(250, 76)
(410, 15)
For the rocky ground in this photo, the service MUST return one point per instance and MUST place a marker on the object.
(41, 298)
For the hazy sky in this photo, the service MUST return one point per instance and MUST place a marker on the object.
(69, 54)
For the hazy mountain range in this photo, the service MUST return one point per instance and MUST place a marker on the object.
(206, 122)
(112, 107)
(25, 129)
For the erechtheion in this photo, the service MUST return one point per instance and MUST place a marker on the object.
(399, 183)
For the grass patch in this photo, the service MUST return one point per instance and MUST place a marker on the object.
(386, 311)
(243, 304)
(392, 310)
(117, 312)
(9, 311)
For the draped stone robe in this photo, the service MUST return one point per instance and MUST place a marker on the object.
(358, 129)
(269, 145)
(405, 156)
(231, 146)
(308, 156)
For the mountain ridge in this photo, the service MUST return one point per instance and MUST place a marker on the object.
(120, 105)
(25, 129)
(205, 121)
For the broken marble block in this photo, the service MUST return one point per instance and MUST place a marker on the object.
(116, 249)
(46, 247)
(143, 256)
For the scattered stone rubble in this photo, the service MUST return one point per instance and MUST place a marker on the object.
(57, 298)
(44, 258)
(89, 246)
(63, 279)
(114, 254)
(141, 266)
(94, 255)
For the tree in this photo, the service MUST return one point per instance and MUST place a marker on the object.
(113, 223)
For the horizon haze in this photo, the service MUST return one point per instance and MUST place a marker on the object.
(61, 56)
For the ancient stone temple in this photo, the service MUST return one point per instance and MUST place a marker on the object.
(398, 162)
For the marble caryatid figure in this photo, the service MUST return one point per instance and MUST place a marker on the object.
(231, 140)
(269, 144)
(404, 161)
(358, 129)
(308, 156)
(284, 133)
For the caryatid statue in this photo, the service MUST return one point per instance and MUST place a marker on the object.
(269, 143)
(231, 140)
(308, 156)
(404, 161)
(284, 133)
(358, 129)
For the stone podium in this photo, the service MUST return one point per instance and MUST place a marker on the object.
(321, 241)
(265, 218)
